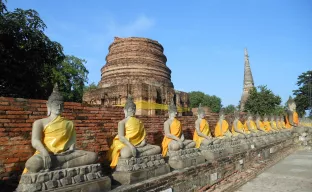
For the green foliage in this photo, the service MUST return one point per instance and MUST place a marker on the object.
(27, 55)
(262, 101)
(90, 87)
(229, 109)
(303, 93)
(31, 63)
(71, 75)
(213, 102)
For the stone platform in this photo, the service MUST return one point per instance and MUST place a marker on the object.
(185, 158)
(132, 170)
(213, 152)
(84, 178)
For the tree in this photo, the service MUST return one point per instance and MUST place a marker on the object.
(303, 94)
(262, 101)
(27, 55)
(90, 87)
(71, 75)
(229, 109)
(213, 102)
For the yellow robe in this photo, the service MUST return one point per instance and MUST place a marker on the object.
(274, 126)
(58, 136)
(240, 126)
(267, 126)
(134, 132)
(176, 130)
(204, 128)
(261, 124)
(252, 125)
(220, 132)
(295, 120)
(278, 125)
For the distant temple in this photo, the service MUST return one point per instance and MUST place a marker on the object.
(248, 81)
(137, 66)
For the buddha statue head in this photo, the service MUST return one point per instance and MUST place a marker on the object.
(291, 104)
(272, 118)
(200, 112)
(55, 103)
(258, 117)
(249, 116)
(221, 115)
(277, 118)
(172, 109)
(265, 117)
(236, 115)
(130, 107)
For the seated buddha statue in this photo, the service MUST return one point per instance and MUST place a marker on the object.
(54, 139)
(202, 134)
(267, 124)
(238, 129)
(174, 138)
(279, 125)
(251, 125)
(260, 124)
(131, 138)
(273, 124)
(222, 130)
(292, 118)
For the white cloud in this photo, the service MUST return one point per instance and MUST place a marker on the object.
(139, 25)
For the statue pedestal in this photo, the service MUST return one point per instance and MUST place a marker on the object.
(133, 170)
(83, 178)
(185, 158)
(213, 152)
(236, 147)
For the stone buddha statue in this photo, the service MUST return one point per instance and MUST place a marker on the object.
(273, 124)
(251, 125)
(260, 124)
(292, 118)
(54, 139)
(222, 128)
(267, 124)
(174, 138)
(202, 134)
(238, 128)
(131, 138)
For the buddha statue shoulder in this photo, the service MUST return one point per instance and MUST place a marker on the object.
(54, 139)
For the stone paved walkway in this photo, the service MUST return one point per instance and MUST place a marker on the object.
(293, 174)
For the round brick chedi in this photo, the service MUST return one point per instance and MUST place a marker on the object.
(135, 60)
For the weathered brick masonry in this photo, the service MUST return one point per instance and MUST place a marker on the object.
(95, 127)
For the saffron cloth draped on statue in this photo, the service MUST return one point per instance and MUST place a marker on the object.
(204, 128)
(58, 136)
(176, 130)
(220, 132)
(134, 133)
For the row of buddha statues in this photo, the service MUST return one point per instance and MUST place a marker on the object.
(57, 163)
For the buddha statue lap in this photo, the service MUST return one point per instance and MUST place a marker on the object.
(130, 154)
(54, 139)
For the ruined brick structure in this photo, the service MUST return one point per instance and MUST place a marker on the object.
(137, 66)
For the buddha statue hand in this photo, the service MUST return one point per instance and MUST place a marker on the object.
(133, 151)
(181, 144)
(46, 160)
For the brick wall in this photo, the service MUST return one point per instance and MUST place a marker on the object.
(95, 127)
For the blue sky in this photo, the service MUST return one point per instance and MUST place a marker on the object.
(203, 40)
